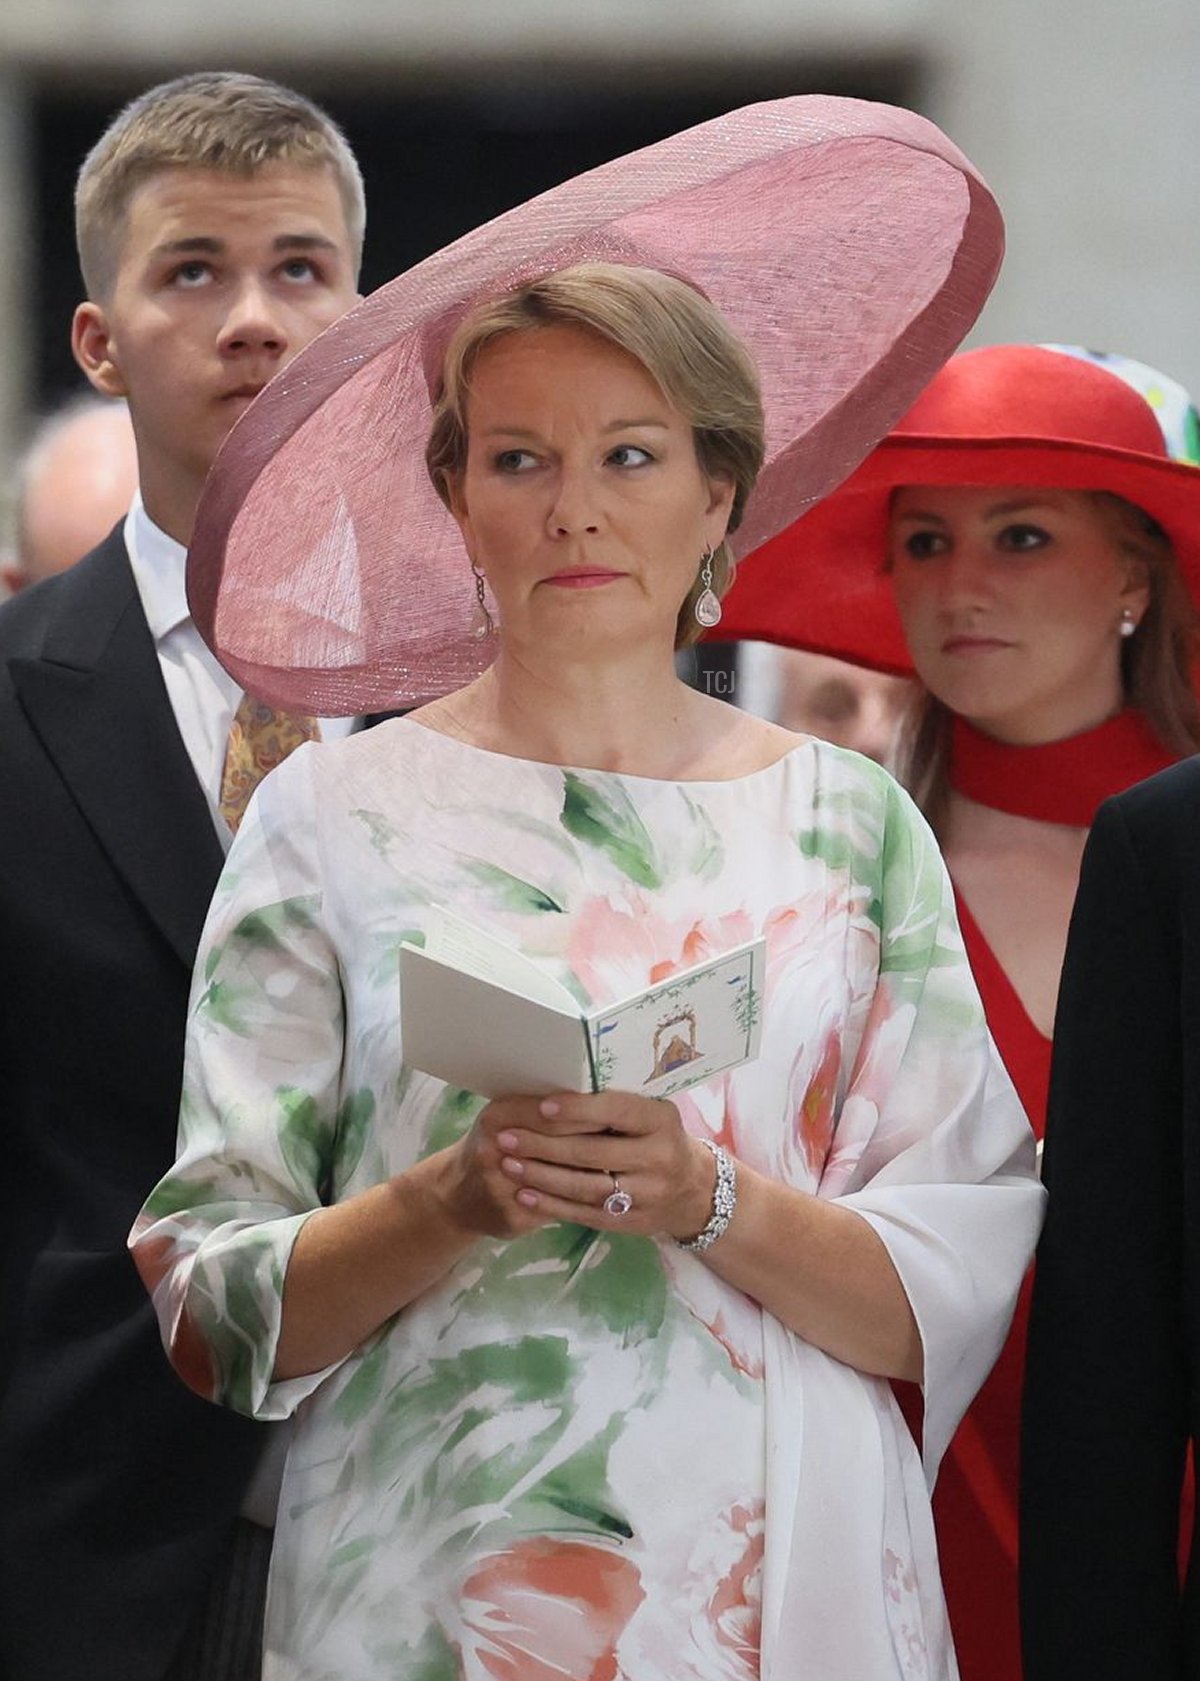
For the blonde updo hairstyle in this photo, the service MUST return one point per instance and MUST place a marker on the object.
(678, 336)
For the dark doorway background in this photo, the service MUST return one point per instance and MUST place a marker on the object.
(437, 160)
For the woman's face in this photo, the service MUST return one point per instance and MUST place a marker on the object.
(582, 500)
(1012, 600)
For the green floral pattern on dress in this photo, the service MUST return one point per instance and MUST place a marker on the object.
(563, 1459)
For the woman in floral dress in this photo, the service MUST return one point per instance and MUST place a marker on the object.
(542, 1431)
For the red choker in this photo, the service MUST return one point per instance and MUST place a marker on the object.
(1060, 781)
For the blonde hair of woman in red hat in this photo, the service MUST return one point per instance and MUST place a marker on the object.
(592, 1382)
(1027, 541)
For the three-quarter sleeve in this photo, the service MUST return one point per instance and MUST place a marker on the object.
(933, 1146)
(259, 1111)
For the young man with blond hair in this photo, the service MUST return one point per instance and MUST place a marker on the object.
(219, 223)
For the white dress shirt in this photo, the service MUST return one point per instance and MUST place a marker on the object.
(203, 696)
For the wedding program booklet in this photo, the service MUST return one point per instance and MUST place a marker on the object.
(481, 1016)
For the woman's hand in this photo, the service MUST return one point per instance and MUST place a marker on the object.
(562, 1157)
(821, 1269)
(526, 1163)
(476, 1192)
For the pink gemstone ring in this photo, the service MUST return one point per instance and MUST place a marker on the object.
(617, 1202)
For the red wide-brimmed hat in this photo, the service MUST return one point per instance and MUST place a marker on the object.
(848, 243)
(1017, 414)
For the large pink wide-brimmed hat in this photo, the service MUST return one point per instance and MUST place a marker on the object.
(848, 243)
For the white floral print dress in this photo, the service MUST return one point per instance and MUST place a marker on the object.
(585, 1456)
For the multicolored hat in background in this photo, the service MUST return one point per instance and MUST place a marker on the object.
(1173, 407)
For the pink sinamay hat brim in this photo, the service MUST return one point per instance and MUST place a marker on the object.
(848, 243)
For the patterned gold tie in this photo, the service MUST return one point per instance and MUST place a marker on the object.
(259, 739)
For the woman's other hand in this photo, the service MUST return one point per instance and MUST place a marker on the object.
(819, 1268)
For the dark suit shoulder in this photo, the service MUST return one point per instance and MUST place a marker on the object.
(1153, 829)
(101, 583)
(1169, 799)
(23, 618)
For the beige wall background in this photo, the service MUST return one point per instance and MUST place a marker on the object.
(1085, 118)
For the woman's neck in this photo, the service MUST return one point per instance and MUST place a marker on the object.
(1017, 878)
(633, 716)
(969, 830)
(1013, 832)
(1061, 781)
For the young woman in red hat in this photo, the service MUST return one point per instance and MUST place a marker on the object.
(1028, 541)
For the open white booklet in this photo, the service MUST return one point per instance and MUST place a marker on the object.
(481, 1016)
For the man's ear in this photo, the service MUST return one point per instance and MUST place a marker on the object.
(12, 577)
(91, 345)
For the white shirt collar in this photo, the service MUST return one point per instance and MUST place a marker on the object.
(158, 563)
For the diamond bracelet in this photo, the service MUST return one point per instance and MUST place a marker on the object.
(723, 1204)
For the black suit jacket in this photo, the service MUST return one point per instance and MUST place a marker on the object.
(1113, 1386)
(117, 1486)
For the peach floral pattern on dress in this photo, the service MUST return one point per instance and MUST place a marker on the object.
(541, 1597)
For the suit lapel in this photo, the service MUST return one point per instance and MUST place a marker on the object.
(97, 702)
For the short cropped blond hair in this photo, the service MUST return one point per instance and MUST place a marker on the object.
(680, 338)
(221, 120)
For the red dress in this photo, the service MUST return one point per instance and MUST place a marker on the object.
(975, 1501)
